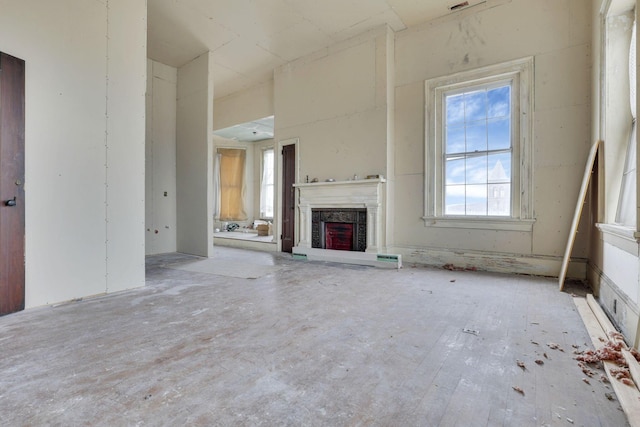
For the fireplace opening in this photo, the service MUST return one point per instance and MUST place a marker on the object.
(338, 236)
(343, 229)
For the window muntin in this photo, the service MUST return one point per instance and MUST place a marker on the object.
(478, 151)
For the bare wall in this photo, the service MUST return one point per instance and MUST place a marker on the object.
(160, 194)
(84, 143)
(335, 102)
(243, 106)
(194, 160)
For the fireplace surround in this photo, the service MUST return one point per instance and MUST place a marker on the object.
(365, 196)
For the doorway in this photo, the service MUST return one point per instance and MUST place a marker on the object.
(288, 196)
(12, 222)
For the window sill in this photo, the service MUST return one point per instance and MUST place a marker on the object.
(621, 237)
(489, 223)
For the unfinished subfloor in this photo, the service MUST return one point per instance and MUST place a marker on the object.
(303, 344)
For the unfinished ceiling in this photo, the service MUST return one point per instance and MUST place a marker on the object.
(249, 38)
(257, 130)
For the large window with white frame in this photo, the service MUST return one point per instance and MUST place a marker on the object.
(478, 148)
(618, 201)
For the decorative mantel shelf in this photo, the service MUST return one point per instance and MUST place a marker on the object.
(366, 194)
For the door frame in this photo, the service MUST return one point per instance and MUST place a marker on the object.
(278, 193)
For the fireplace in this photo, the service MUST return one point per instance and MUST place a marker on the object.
(345, 215)
(343, 229)
(359, 202)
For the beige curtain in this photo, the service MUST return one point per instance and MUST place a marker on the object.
(232, 164)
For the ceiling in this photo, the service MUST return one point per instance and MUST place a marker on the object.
(249, 38)
(254, 131)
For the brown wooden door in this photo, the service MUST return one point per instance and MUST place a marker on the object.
(288, 196)
(11, 184)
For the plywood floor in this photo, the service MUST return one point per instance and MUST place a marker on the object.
(310, 344)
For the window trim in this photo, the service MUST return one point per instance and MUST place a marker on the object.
(520, 72)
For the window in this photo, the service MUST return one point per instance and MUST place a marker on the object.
(477, 151)
(266, 184)
(626, 212)
(478, 148)
(617, 171)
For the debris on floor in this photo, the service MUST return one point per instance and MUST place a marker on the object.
(610, 351)
(452, 267)
(585, 369)
(554, 346)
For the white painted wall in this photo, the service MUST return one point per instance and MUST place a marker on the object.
(126, 85)
(472, 39)
(84, 143)
(243, 106)
(160, 210)
(335, 102)
(194, 160)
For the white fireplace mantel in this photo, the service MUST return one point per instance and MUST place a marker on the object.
(364, 193)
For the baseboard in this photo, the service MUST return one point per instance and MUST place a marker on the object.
(492, 261)
(620, 309)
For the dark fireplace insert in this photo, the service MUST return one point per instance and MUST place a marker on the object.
(343, 229)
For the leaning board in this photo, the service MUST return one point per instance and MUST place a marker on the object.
(576, 216)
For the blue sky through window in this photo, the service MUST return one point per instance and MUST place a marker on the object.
(478, 152)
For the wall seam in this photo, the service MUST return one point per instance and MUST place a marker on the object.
(106, 155)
